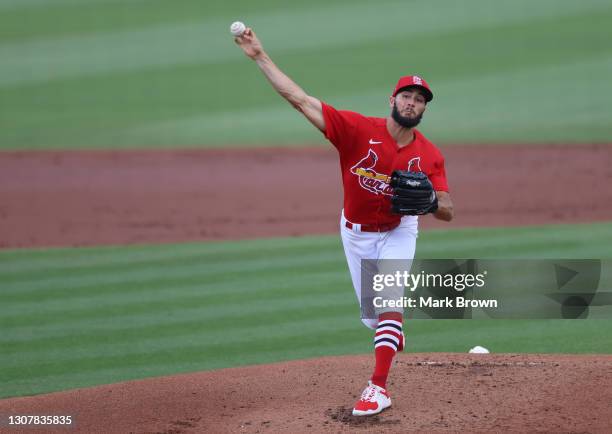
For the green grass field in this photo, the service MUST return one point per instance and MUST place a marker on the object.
(79, 317)
(134, 73)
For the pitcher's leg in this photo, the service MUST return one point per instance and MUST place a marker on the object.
(387, 340)
(395, 253)
(358, 246)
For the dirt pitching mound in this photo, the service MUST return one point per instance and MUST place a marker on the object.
(82, 198)
(431, 393)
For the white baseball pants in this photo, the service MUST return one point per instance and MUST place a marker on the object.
(399, 243)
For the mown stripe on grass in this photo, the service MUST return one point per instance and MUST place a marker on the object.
(56, 18)
(28, 262)
(151, 355)
(83, 276)
(204, 333)
(150, 323)
(203, 295)
(33, 260)
(175, 305)
(117, 331)
(210, 282)
(260, 123)
(355, 340)
(190, 104)
(424, 336)
(530, 242)
(166, 45)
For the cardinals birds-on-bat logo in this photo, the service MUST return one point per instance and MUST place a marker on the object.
(414, 165)
(369, 178)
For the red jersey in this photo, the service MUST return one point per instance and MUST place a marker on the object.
(368, 154)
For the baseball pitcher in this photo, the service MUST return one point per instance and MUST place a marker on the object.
(391, 174)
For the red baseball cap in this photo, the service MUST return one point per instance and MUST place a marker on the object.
(414, 80)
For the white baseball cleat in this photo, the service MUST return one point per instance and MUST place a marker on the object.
(374, 399)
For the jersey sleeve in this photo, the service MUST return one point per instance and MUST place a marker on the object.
(340, 126)
(438, 175)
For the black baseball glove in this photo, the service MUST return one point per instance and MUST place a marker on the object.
(413, 193)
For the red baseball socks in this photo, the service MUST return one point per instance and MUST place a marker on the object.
(388, 340)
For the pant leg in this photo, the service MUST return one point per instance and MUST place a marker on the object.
(358, 246)
(400, 243)
(395, 253)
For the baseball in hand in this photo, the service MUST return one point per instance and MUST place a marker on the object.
(237, 28)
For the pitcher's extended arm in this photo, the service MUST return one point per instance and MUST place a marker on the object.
(309, 106)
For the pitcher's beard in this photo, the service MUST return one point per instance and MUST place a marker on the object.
(405, 121)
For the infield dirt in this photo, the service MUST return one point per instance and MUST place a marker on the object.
(432, 393)
(123, 197)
